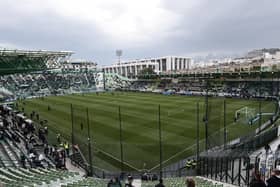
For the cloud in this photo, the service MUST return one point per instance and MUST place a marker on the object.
(94, 29)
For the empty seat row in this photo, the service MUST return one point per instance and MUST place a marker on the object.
(36, 177)
(170, 182)
(181, 182)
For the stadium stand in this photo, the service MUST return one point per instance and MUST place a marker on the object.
(170, 182)
(115, 81)
(57, 83)
(181, 181)
(23, 156)
(47, 83)
(198, 86)
(36, 176)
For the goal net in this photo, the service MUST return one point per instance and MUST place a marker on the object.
(245, 114)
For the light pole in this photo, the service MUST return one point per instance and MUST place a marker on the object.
(272, 81)
(121, 139)
(260, 102)
(89, 147)
(160, 143)
(119, 54)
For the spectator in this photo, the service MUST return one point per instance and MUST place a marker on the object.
(257, 181)
(160, 184)
(1, 134)
(267, 149)
(277, 155)
(154, 177)
(58, 138)
(41, 157)
(37, 117)
(274, 181)
(190, 182)
(110, 183)
(22, 160)
(46, 130)
(32, 156)
(66, 147)
(129, 181)
(46, 149)
(114, 183)
(144, 177)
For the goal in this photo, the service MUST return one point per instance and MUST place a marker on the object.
(245, 114)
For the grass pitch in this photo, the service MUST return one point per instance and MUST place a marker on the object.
(139, 115)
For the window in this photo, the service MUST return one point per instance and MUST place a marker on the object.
(159, 65)
(133, 70)
(164, 64)
(123, 71)
(128, 69)
(171, 63)
(180, 64)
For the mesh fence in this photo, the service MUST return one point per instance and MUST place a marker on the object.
(125, 136)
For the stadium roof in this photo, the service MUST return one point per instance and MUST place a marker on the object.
(34, 53)
(15, 60)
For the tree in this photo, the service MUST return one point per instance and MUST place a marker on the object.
(274, 67)
(147, 71)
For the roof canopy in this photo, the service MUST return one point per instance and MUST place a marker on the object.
(17, 61)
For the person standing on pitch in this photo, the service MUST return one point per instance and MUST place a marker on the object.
(160, 184)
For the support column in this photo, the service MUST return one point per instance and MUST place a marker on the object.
(141, 68)
(118, 70)
(136, 70)
(132, 73)
(171, 64)
(121, 70)
(161, 65)
(168, 67)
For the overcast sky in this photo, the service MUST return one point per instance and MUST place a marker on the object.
(94, 29)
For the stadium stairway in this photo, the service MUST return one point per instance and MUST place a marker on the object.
(15, 149)
(8, 156)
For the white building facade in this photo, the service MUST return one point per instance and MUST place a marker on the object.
(159, 65)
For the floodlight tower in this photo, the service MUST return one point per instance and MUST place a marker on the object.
(119, 54)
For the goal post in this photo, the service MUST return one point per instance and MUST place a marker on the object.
(245, 113)
(240, 111)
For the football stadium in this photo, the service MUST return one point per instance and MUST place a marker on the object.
(63, 126)
(139, 93)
